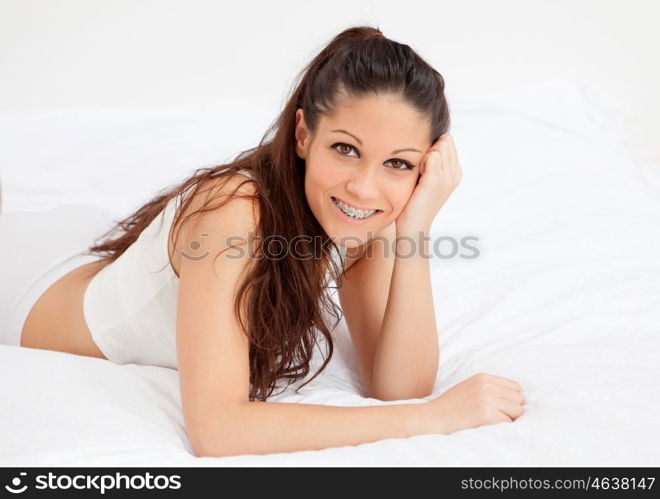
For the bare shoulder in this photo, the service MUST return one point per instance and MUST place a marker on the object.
(216, 240)
(219, 206)
(225, 190)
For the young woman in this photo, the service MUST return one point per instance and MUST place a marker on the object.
(356, 167)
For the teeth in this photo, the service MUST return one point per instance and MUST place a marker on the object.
(354, 212)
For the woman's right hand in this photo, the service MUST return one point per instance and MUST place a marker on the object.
(482, 399)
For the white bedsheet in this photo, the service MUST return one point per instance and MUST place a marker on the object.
(564, 296)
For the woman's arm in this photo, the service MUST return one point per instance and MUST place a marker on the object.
(270, 427)
(389, 311)
(407, 354)
(214, 371)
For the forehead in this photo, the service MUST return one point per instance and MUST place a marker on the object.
(378, 119)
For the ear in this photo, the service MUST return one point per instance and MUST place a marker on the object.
(302, 134)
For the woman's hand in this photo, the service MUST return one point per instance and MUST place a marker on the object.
(440, 175)
(480, 400)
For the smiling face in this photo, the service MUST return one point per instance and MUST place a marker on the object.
(363, 157)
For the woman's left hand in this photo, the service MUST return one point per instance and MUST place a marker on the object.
(440, 174)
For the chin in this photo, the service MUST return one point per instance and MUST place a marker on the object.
(356, 239)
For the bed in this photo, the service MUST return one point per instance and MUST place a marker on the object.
(563, 297)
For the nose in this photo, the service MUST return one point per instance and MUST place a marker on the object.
(363, 185)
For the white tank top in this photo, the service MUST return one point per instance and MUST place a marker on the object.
(130, 304)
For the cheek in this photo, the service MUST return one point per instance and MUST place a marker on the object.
(321, 175)
(400, 196)
(318, 181)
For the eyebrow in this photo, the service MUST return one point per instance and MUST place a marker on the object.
(360, 142)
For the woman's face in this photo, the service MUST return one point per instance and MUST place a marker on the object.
(364, 155)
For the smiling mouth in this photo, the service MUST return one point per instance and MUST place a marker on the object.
(352, 212)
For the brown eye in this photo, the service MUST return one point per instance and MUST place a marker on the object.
(403, 165)
(347, 147)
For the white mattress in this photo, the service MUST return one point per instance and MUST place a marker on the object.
(564, 296)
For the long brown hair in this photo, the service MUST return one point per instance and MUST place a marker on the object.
(286, 297)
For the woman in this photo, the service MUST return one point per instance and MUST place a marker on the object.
(358, 165)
